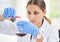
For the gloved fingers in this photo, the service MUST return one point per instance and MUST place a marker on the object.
(21, 30)
(9, 12)
(35, 32)
(19, 23)
(27, 28)
(20, 26)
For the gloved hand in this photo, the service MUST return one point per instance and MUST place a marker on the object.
(9, 12)
(27, 27)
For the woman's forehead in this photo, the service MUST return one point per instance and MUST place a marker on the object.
(33, 8)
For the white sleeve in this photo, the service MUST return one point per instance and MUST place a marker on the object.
(8, 28)
(53, 35)
(33, 40)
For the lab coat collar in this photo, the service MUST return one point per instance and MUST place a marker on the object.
(44, 26)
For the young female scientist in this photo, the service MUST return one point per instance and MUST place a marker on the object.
(36, 13)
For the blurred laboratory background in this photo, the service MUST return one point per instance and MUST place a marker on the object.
(52, 7)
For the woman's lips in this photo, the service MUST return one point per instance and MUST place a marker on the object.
(32, 21)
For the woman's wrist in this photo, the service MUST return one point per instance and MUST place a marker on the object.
(2, 18)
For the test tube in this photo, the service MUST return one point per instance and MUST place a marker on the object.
(21, 34)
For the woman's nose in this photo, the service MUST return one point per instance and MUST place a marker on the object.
(32, 17)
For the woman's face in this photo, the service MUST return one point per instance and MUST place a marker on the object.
(35, 14)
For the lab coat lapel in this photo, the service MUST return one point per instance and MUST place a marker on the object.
(44, 28)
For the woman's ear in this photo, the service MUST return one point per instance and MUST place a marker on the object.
(44, 11)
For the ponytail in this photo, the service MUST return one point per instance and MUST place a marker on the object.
(48, 19)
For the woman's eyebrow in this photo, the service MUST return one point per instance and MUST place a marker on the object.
(36, 11)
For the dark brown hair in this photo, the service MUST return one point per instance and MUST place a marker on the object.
(39, 3)
(12, 20)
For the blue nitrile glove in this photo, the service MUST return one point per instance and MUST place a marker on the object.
(9, 12)
(27, 27)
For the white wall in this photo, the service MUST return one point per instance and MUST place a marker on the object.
(6, 3)
(47, 7)
(21, 8)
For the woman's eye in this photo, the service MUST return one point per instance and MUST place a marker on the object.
(35, 12)
(29, 12)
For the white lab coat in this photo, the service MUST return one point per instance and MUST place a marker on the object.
(49, 33)
(7, 27)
